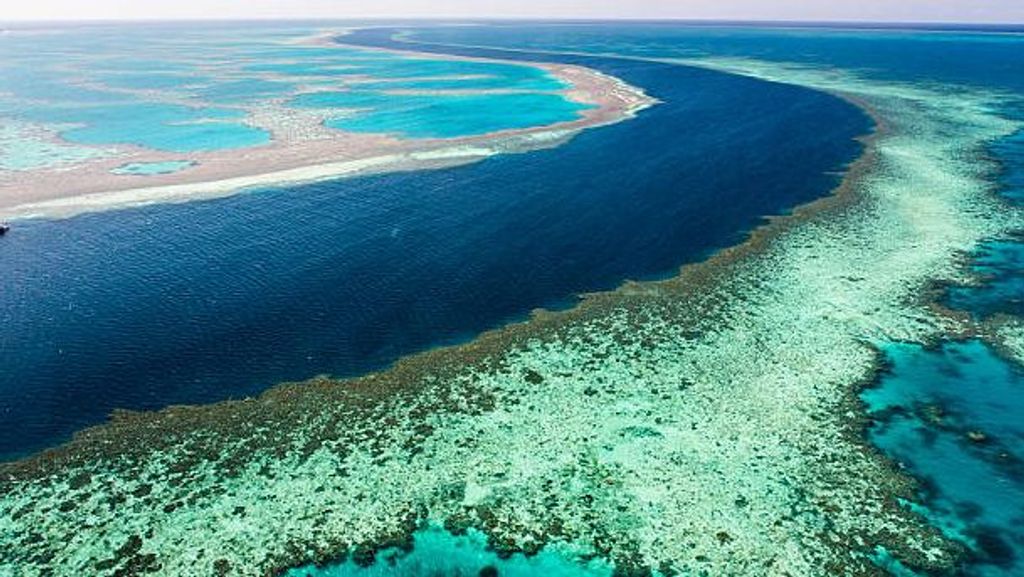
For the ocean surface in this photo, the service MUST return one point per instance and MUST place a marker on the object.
(220, 299)
(952, 415)
(193, 303)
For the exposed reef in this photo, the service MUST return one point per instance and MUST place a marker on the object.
(1010, 334)
(705, 425)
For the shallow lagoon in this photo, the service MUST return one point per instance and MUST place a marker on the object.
(953, 416)
(1000, 268)
(435, 551)
(165, 127)
(442, 116)
(23, 148)
(127, 87)
(149, 80)
(247, 90)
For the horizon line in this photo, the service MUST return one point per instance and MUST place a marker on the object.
(562, 19)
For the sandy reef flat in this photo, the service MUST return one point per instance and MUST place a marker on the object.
(703, 425)
(301, 149)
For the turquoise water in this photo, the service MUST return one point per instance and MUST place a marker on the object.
(150, 168)
(149, 80)
(344, 277)
(395, 67)
(1000, 266)
(955, 415)
(127, 86)
(442, 116)
(932, 399)
(436, 552)
(301, 69)
(118, 63)
(28, 85)
(383, 266)
(200, 136)
(161, 127)
(482, 75)
(952, 415)
(166, 127)
(248, 90)
(321, 54)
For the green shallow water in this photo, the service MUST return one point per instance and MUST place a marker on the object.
(166, 89)
(442, 116)
(436, 552)
(952, 416)
(666, 418)
(157, 126)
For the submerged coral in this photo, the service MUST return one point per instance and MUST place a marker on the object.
(708, 424)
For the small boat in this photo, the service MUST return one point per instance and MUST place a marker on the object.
(4, 227)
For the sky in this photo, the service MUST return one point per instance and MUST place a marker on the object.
(963, 11)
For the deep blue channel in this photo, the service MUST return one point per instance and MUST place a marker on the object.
(220, 299)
